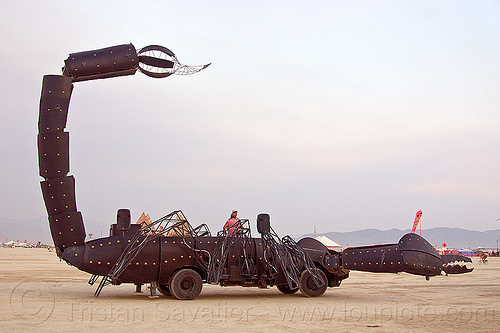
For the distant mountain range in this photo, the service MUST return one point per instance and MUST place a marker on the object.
(453, 237)
(38, 230)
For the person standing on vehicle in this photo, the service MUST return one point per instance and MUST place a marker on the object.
(232, 226)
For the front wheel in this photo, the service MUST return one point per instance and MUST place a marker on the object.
(285, 289)
(185, 284)
(311, 285)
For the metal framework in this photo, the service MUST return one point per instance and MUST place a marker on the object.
(239, 233)
(174, 224)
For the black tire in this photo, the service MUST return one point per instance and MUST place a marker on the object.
(185, 284)
(285, 289)
(308, 284)
(163, 288)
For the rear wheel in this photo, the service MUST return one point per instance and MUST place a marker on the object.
(163, 288)
(185, 284)
(310, 285)
(285, 289)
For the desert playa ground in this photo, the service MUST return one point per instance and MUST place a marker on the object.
(39, 293)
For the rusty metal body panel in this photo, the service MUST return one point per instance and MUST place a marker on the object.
(377, 258)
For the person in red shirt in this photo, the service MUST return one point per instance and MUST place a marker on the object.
(231, 227)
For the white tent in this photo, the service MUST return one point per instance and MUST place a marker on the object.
(330, 244)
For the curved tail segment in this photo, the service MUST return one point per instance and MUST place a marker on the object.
(412, 254)
(58, 189)
(154, 61)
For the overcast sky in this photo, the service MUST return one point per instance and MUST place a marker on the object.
(342, 115)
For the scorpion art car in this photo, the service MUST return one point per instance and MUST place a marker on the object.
(170, 254)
